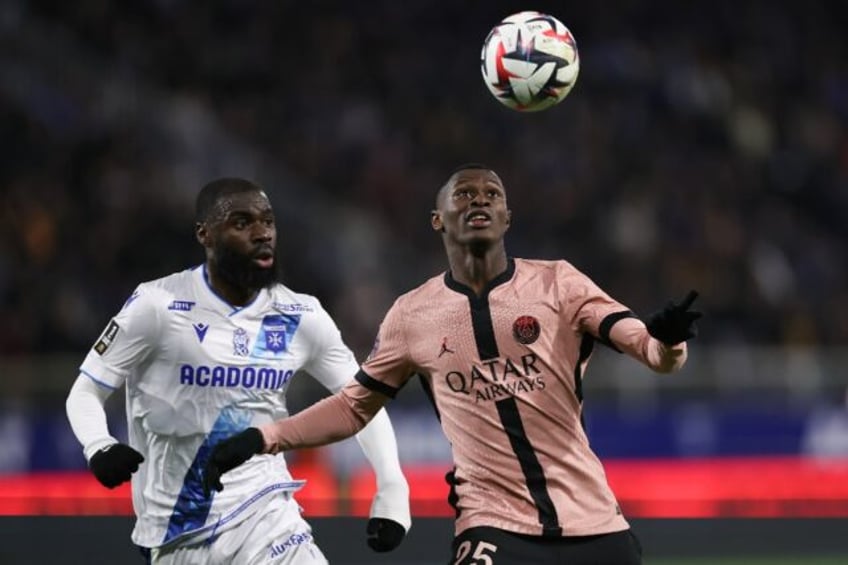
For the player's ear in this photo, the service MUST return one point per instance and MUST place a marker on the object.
(508, 218)
(436, 221)
(202, 234)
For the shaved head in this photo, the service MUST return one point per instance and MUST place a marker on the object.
(211, 196)
(464, 167)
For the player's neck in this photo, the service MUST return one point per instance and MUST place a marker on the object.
(476, 270)
(232, 294)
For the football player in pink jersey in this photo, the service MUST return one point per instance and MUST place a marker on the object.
(502, 345)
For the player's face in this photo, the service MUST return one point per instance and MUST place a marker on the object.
(472, 208)
(244, 238)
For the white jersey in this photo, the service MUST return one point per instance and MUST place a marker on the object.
(198, 370)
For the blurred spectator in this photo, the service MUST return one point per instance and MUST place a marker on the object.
(704, 148)
(826, 433)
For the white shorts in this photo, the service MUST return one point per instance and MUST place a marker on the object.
(274, 534)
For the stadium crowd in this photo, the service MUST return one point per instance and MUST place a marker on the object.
(704, 149)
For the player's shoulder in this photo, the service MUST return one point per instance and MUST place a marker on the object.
(552, 267)
(424, 294)
(169, 291)
(559, 277)
(287, 301)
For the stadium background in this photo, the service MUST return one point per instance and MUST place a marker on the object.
(704, 146)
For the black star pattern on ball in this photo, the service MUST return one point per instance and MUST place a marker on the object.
(527, 52)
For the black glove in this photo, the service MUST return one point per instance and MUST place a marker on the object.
(228, 454)
(115, 464)
(675, 322)
(384, 534)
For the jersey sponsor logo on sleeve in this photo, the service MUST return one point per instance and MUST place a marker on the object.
(498, 378)
(526, 329)
(181, 305)
(107, 337)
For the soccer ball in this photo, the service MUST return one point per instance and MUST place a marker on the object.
(530, 61)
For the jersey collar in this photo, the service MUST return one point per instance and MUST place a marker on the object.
(505, 276)
(215, 300)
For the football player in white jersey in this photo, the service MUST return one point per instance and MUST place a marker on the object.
(206, 353)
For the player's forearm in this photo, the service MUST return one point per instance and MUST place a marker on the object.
(631, 336)
(379, 445)
(332, 419)
(84, 407)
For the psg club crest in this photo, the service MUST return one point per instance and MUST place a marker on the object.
(526, 329)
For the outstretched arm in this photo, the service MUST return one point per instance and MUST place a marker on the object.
(390, 516)
(332, 364)
(631, 336)
(332, 419)
(661, 342)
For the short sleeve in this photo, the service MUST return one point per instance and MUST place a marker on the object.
(331, 362)
(593, 308)
(128, 339)
(390, 361)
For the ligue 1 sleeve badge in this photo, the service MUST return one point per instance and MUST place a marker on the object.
(526, 329)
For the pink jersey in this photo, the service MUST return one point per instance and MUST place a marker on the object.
(504, 371)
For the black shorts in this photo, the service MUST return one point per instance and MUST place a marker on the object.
(491, 546)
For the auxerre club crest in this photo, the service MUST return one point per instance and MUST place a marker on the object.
(275, 336)
(526, 329)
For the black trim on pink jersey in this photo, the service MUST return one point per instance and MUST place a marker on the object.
(450, 476)
(587, 344)
(606, 326)
(481, 316)
(453, 497)
(428, 390)
(530, 466)
(371, 383)
(487, 348)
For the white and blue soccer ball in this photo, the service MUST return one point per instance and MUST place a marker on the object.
(530, 61)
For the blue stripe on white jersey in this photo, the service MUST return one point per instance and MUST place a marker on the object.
(192, 507)
(197, 374)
